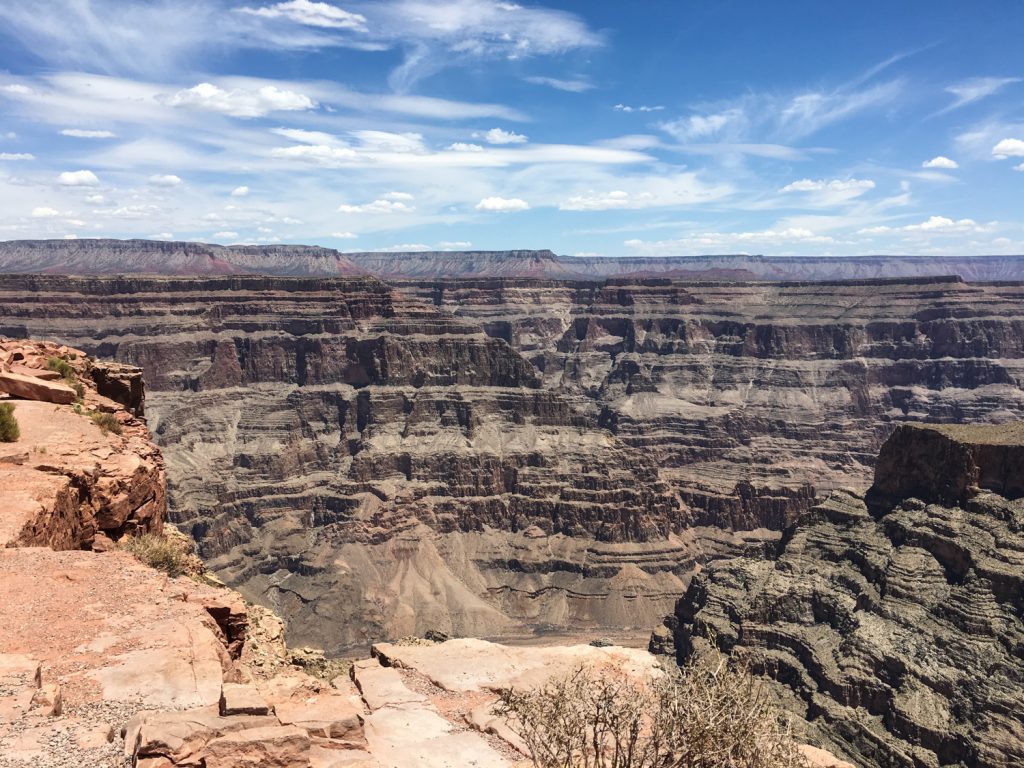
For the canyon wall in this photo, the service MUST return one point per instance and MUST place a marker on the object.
(501, 457)
(892, 625)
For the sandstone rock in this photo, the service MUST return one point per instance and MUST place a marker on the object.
(93, 736)
(237, 699)
(47, 700)
(33, 388)
(266, 747)
(326, 715)
(819, 758)
(382, 686)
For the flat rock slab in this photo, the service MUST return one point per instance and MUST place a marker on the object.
(420, 738)
(34, 388)
(106, 627)
(468, 664)
(383, 686)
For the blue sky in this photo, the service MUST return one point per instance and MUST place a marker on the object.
(652, 128)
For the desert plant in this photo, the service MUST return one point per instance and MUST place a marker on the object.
(61, 366)
(710, 715)
(9, 430)
(107, 422)
(159, 552)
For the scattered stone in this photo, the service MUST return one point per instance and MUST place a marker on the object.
(33, 388)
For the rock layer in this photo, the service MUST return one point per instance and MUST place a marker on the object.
(500, 456)
(894, 628)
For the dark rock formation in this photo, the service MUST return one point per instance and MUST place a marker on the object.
(895, 631)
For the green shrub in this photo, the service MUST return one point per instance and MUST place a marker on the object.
(107, 422)
(159, 552)
(9, 431)
(63, 367)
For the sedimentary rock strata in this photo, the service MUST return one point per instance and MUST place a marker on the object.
(893, 627)
(488, 457)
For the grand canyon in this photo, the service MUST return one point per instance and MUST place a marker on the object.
(539, 460)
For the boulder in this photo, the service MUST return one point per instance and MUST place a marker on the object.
(32, 388)
(269, 747)
(239, 699)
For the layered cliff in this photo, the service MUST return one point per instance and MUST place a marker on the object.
(894, 627)
(372, 466)
(750, 396)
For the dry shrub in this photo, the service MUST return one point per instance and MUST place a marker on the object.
(107, 422)
(160, 552)
(61, 366)
(9, 429)
(709, 715)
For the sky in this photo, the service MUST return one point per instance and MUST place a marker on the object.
(653, 128)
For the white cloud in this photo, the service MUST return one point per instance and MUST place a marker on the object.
(240, 191)
(701, 126)
(642, 108)
(315, 153)
(161, 236)
(941, 162)
(44, 213)
(377, 206)
(502, 204)
(397, 196)
(16, 156)
(78, 179)
(313, 14)
(227, 235)
(1019, 167)
(934, 225)
(573, 86)
(95, 199)
(638, 192)
(1008, 148)
(461, 146)
(390, 141)
(976, 88)
(457, 245)
(405, 248)
(344, 235)
(822, 193)
(500, 136)
(79, 133)
(164, 180)
(709, 242)
(16, 88)
(239, 102)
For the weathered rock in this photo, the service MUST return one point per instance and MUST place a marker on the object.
(242, 699)
(893, 630)
(34, 388)
(269, 747)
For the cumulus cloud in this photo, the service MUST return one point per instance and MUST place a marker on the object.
(44, 213)
(161, 236)
(321, 154)
(226, 235)
(941, 162)
(80, 133)
(456, 245)
(16, 156)
(344, 235)
(502, 204)
(701, 126)
(95, 199)
(78, 179)
(378, 206)
(397, 196)
(823, 193)
(242, 191)
(933, 225)
(164, 180)
(313, 14)
(240, 102)
(500, 136)
(1008, 148)
(706, 242)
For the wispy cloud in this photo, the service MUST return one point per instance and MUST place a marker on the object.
(975, 89)
(575, 85)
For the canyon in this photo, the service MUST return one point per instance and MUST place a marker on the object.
(513, 458)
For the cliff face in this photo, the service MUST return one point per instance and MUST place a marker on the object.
(372, 466)
(488, 457)
(894, 626)
(748, 395)
(74, 481)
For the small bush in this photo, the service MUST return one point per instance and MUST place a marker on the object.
(9, 430)
(107, 422)
(708, 716)
(159, 552)
(63, 367)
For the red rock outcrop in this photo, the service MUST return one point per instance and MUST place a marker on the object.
(79, 470)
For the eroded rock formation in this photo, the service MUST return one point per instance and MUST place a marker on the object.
(487, 457)
(893, 627)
